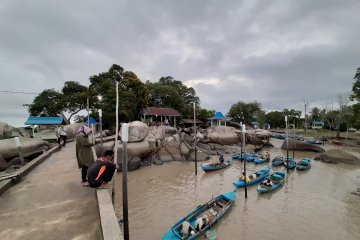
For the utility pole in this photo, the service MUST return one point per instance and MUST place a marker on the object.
(306, 104)
(287, 144)
(195, 140)
(243, 135)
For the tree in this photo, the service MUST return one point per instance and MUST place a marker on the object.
(168, 92)
(204, 114)
(245, 112)
(356, 86)
(315, 114)
(275, 119)
(132, 93)
(54, 103)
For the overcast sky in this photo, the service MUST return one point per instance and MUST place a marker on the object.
(275, 52)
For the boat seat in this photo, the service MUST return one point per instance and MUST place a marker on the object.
(221, 204)
(216, 208)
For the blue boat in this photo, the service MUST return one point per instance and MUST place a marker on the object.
(237, 156)
(278, 161)
(260, 160)
(213, 210)
(303, 164)
(276, 178)
(260, 175)
(215, 166)
(292, 164)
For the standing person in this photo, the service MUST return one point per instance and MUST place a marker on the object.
(221, 159)
(62, 134)
(84, 153)
(102, 171)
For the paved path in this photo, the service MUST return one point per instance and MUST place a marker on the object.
(50, 203)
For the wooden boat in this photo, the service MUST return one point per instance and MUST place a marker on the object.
(260, 160)
(261, 175)
(277, 161)
(277, 179)
(303, 164)
(214, 210)
(215, 166)
(237, 156)
(292, 164)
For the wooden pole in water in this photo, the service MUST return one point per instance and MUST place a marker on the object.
(294, 139)
(241, 143)
(287, 144)
(243, 135)
(195, 140)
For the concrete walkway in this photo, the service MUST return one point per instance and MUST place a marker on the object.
(50, 203)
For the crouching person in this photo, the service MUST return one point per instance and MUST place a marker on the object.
(102, 171)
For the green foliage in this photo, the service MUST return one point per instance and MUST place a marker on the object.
(47, 103)
(132, 94)
(245, 112)
(275, 119)
(204, 114)
(356, 86)
(168, 92)
(355, 118)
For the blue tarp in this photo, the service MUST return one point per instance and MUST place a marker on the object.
(44, 121)
(91, 121)
(218, 115)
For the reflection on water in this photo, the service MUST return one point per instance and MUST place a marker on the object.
(316, 204)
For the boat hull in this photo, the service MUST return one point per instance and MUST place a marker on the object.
(263, 173)
(214, 209)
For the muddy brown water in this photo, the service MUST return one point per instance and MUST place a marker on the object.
(317, 204)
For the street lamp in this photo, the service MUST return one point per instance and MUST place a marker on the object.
(100, 121)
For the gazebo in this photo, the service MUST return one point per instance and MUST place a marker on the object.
(218, 117)
(49, 122)
(152, 115)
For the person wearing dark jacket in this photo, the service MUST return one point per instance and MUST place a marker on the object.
(102, 171)
(84, 154)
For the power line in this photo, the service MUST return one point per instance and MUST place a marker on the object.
(5, 91)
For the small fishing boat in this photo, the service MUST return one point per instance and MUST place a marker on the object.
(213, 210)
(314, 141)
(303, 164)
(260, 160)
(237, 156)
(292, 164)
(277, 161)
(276, 178)
(260, 175)
(215, 166)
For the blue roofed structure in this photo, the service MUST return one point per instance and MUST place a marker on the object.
(218, 116)
(317, 124)
(45, 121)
(91, 121)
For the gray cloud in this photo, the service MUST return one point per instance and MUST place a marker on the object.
(275, 52)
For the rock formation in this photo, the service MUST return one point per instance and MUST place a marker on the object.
(302, 146)
(338, 156)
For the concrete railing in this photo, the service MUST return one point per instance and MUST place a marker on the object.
(109, 224)
(6, 184)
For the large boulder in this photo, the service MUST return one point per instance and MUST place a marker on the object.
(5, 130)
(222, 135)
(3, 164)
(338, 156)
(302, 146)
(161, 132)
(29, 147)
(138, 131)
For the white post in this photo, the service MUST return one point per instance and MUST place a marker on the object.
(117, 122)
(287, 144)
(18, 146)
(101, 137)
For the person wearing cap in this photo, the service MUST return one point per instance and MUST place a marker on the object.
(84, 153)
(102, 171)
